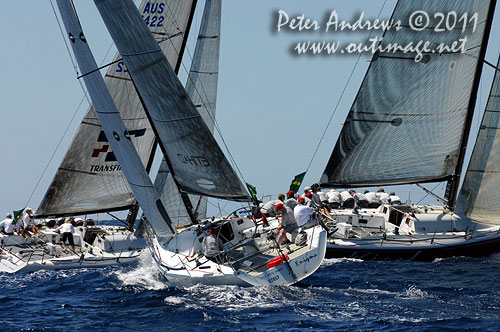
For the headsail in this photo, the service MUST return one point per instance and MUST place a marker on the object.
(112, 124)
(407, 121)
(89, 178)
(480, 191)
(196, 160)
(201, 86)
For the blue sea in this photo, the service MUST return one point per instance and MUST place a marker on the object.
(458, 294)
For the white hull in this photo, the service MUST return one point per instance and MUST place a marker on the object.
(110, 246)
(428, 233)
(245, 261)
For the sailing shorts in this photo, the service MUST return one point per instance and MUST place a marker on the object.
(290, 228)
(68, 236)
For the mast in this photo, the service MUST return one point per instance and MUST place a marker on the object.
(452, 185)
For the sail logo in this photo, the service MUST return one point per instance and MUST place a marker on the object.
(110, 156)
(199, 161)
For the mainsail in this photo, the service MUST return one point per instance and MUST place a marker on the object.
(90, 178)
(196, 160)
(113, 126)
(201, 87)
(480, 192)
(408, 121)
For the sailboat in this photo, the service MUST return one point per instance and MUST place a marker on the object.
(409, 124)
(194, 159)
(89, 179)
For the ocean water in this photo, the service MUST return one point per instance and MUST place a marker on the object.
(458, 294)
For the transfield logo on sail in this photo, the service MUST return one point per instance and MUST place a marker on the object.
(109, 156)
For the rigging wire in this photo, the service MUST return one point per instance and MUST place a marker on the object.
(427, 194)
(342, 95)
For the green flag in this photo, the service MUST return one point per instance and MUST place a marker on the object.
(253, 193)
(17, 216)
(297, 182)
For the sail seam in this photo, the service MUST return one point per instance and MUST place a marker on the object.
(205, 72)
(401, 114)
(181, 119)
(76, 171)
(143, 52)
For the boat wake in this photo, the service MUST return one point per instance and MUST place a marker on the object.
(144, 276)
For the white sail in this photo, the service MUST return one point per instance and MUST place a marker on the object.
(89, 178)
(480, 191)
(201, 87)
(196, 160)
(112, 124)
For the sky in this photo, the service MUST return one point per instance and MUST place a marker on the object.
(273, 106)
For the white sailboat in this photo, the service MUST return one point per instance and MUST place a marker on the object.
(410, 123)
(194, 159)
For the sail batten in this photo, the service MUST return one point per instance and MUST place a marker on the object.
(95, 180)
(407, 122)
(191, 152)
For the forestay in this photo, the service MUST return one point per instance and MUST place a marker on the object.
(201, 87)
(407, 121)
(197, 162)
(480, 191)
(89, 178)
(112, 124)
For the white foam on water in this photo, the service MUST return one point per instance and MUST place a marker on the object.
(236, 298)
(145, 275)
(333, 261)
(174, 300)
(352, 291)
(413, 292)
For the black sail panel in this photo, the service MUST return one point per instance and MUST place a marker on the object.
(90, 178)
(407, 121)
(201, 87)
(196, 160)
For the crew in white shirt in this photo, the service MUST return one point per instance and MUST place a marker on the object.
(304, 214)
(67, 231)
(29, 223)
(383, 196)
(334, 199)
(6, 225)
(361, 200)
(347, 199)
(394, 199)
(373, 201)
